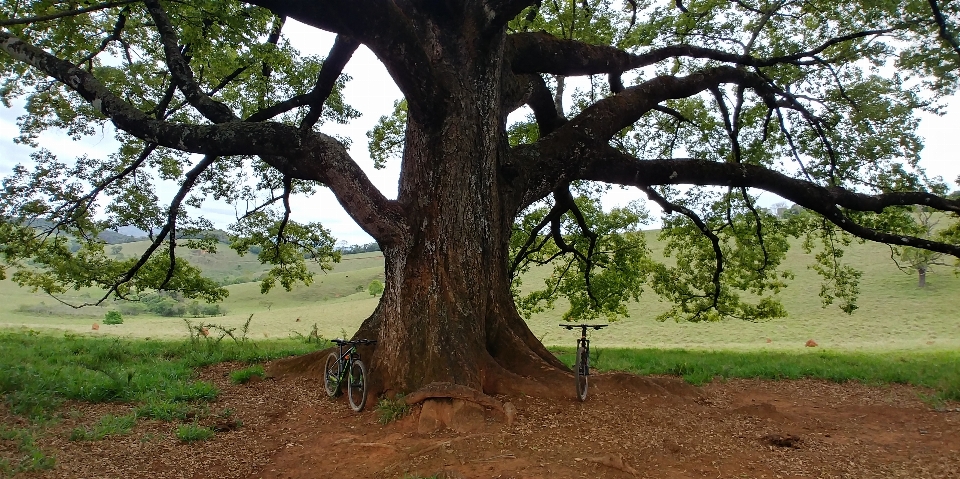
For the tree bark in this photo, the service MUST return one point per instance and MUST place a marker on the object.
(447, 314)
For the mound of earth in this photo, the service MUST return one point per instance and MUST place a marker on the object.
(629, 427)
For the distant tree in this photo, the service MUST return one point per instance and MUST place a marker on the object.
(375, 288)
(113, 317)
(921, 260)
(116, 250)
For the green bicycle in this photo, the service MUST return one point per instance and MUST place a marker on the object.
(346, 365)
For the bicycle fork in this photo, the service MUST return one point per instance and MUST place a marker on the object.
(584, 343)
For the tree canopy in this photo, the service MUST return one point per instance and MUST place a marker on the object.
(695, 104)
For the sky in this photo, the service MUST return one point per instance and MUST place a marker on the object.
(372, 92)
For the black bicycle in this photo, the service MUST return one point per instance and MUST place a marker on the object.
(582, 366)
(346, 365)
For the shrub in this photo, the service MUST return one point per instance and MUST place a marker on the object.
(375, 288)
(113, 317)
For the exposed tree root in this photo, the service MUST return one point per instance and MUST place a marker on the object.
(452, 391)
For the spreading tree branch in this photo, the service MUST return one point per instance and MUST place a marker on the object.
(942, 27)
(670, 207)
(540, 52)
(612, 166)
(180, 69)
(66, 13)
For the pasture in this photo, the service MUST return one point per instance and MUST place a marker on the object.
(893, 314)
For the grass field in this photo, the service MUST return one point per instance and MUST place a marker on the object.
(894, 313)
(50, 354)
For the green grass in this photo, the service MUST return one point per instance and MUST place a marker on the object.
(41, 371)
(242, 376)
(108, 425)
(894, 313)
(31, 457)
(939, 370)
(193, 433)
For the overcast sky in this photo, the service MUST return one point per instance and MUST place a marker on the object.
(372, 93)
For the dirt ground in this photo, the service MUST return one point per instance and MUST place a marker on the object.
(629, 427)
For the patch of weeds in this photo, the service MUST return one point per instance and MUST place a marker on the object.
(108, 425)
(935, 401)
(164, 410)
(389, 410)
(193, 433)
(313, 337)
(195, 391)
(35, 403)
(243, 376)
(224, 421)
(32, 458)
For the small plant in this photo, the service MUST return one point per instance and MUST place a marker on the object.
(243, 376)
(375, 288)
(113, 317)
(312, 337)
(164, 410)
(195, 391)
(389, 410)
(193, 433)
(33, 459)
(108, 425)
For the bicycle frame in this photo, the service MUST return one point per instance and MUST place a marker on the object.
(344, 361)
(345, 364)
(583, 342)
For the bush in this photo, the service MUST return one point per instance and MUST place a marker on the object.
(113, 317)
(375, 288)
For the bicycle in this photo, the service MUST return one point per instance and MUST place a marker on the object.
(347, 365)
(582, 366)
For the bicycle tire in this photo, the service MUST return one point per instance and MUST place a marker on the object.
(581, 376)
(331, 375)
(357, 385)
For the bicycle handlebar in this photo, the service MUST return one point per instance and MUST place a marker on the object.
(584, 326)
(354, 342)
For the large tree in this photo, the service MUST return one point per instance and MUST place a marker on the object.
(696, 104)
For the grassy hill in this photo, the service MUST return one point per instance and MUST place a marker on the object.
(894, 313)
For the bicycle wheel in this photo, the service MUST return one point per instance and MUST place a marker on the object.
(331, 375)
(357, 385)
(582, 371)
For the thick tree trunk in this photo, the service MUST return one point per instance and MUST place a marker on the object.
(446, 313)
